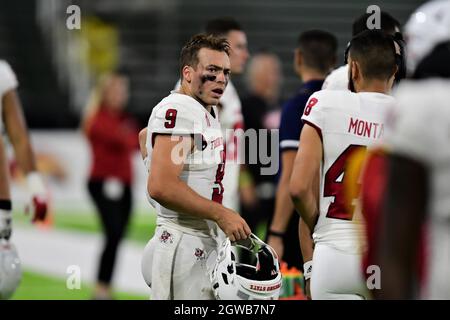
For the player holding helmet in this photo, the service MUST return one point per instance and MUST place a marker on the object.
(186, 165)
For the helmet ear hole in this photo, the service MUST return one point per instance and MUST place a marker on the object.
(266, 264)
(225, 278)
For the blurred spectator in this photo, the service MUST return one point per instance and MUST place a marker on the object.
(260, 109)
(113, 137)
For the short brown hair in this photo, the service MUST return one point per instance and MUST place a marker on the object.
(189, 53)
(221, 26)
(318, 48)
(375, 52)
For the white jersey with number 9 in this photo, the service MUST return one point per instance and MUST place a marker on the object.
(182, 115)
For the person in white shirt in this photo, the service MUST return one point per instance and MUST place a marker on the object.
(12, 121)
(338, 78)
(185, 152)
(230, 112)
(338, 124)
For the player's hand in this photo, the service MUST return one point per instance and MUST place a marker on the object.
(277, 244)
(233, 225)
(38, 201)
(5, 224)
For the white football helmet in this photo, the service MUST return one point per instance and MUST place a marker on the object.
(10, 269)
(232, 280)
(428, 26)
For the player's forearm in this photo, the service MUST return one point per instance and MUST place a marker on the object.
(17, 131)
(306, 205)
(24, 154)
(4, 181)
(283, 207)
(306, 241)
(176, 195)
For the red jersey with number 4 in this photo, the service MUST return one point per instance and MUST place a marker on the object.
(347, 122)
(181, 115)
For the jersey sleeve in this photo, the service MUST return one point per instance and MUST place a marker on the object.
(8, 80)
(417, 134)
(290, 126)
(174, 119)
(313, 114)
(337, 79)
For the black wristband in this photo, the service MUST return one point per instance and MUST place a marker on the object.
(276, 233)
(6, 205)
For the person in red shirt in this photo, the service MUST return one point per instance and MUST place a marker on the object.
(113, 137)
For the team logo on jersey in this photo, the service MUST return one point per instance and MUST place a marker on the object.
(166, 237)
(199, 254)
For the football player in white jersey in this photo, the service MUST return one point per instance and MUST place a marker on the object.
(337, 124)
(418, 144)
(338, 78)
(11, 119)
(186, 167)
(13, 122)
(230, 113)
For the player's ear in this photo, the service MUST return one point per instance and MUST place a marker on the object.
(187, 73)
(298, 60)
(392, 78)
(298, 57)
(355, 71)
(395, 71)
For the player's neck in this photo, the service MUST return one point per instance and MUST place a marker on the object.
(185, 90)
(310, 75)
(374, 86)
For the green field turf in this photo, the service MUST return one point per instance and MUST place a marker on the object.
(35, 286)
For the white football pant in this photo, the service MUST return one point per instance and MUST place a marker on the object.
(337, 275)
(174, 265)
